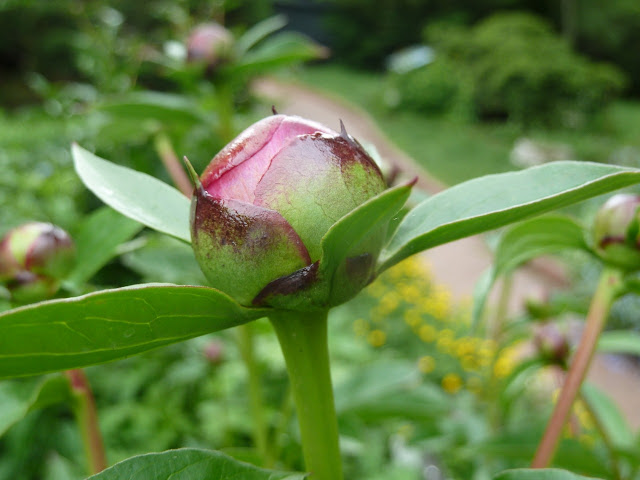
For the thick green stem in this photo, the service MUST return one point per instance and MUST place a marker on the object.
(303, 339)
(256, 403)
(87, 419)
(605, 294)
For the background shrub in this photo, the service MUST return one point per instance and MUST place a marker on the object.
(521, 70)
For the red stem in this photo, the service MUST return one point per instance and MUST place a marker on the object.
(596, 318)
(87, 418)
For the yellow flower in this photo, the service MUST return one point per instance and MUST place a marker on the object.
(427, 333)
(503, 367)
(426, 364)
(444, 344)
(412, 318)
(469, 363)
(451, 383)
(377, 338)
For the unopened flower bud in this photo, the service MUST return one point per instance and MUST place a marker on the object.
(552, 344)
(616, 231)
(214, 352)
(34, 257)
(209, 43)
(265, 203)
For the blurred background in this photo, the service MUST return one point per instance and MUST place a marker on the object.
(450, 90)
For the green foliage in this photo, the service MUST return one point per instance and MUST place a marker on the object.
(451, 215)
(135, 194)
(186, 464)
(525, 241)
(20, 397)
(110, 325)
(97, 240)
(545, 474)
(611, 33)
(431, 89)
(522, 70)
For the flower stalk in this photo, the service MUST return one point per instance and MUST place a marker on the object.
(303, 339)
(84, 409)
(605, 294)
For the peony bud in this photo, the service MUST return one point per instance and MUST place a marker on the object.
(209, 43)
(616, 231)
(552, 344)
(33, 258)
(214, 352)
(265, 203)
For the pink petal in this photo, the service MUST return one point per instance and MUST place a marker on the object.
(236, 171)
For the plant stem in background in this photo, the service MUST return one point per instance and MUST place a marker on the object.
(303, 339)
(225, 110)
(260, 432)
(605, 294)
(84, 409)
(172, 164)
(499, 319)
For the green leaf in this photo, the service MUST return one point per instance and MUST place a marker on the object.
(97, 241)
(359, 224)
(134, 194)
(632, 285)
(189, 464)
(390, 390)
(110, 325)
(608, 417)
(19, 397)
(619, 341)
(163, 108)
(519, 448)
(493, 201)
(525, 241)
(283, 49)
(167, 260)
(539, 474)
(258, 32)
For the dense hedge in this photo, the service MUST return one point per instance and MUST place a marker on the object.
(513, 66)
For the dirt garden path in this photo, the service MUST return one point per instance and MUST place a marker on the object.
(457, 265)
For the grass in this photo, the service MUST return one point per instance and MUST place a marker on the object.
(455, 151)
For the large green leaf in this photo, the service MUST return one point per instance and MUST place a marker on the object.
(110, 325)
(525, 241)
(19, 397)
(259, 32)
(97, 241)
(135, 194)
(277, 51)
(539, 474)
(163, 108)
(492, 201)
(619, 341)
(189, 464)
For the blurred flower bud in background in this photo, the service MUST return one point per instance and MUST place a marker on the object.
(34, 258)
(616, 231)
(209, 43)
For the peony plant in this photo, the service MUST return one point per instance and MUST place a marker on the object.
(287, 221)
